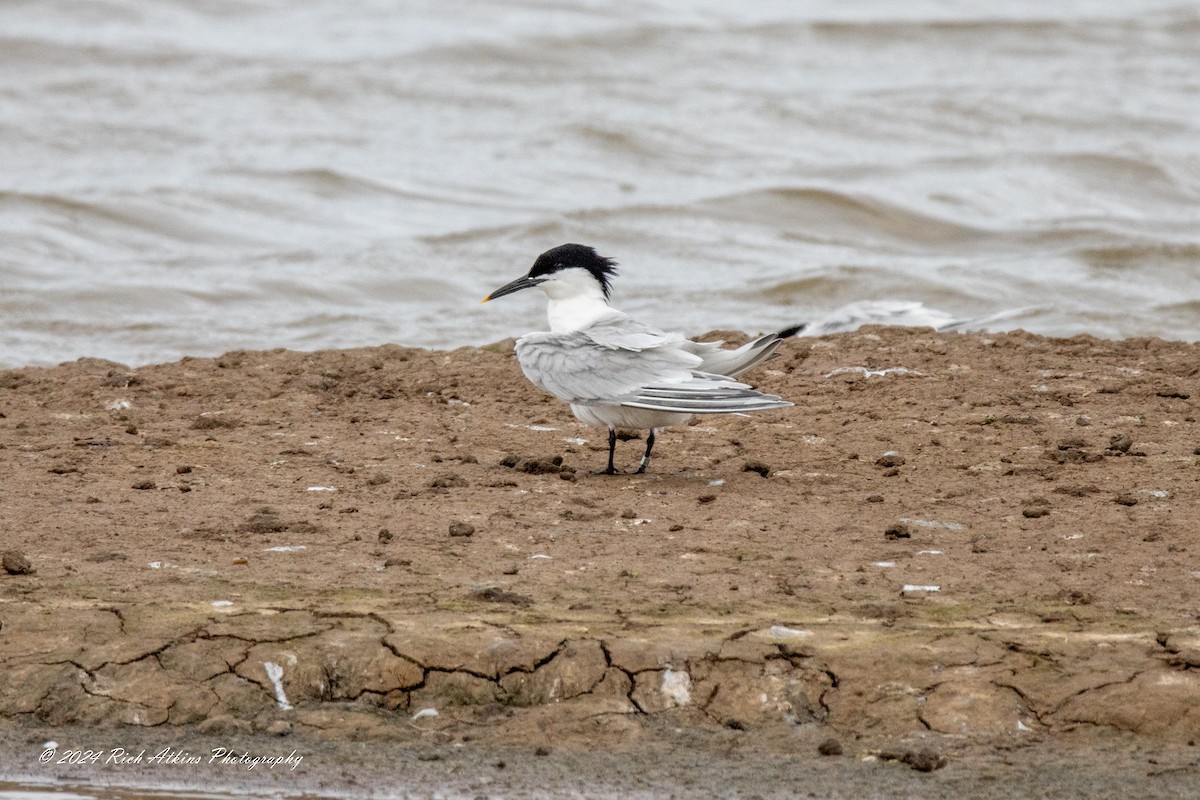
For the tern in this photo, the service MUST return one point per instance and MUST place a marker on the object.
(622, 374)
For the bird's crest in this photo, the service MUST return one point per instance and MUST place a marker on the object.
(568, 256)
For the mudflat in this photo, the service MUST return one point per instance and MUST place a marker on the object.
(956, 552)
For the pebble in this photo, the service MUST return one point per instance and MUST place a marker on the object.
(385, 535)
(462, 529)
(144, 485)
(830, 747)
(923, 760)
(280, 727)
(890, 460)
(541, 466)
(448, 481)
(1125, 499)
(1120, 443)
(1034, 512)
(897, 530)
(16, 563)
(223, 725)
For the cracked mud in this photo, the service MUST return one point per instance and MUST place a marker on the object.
(993, 548)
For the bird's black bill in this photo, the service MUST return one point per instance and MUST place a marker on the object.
(523, 282)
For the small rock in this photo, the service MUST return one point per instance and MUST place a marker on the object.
(223, 724)
(212, 422)
(1034, 512)
(240, 562)
(890, 473)
(1125, 499)
(923, 760)
(462, 529)
(264, 521)
(385, 535)
(397, 562)
(511, 570)
(757, 466)
(542, 751)
(16, 563)
(830, 747)
(143, 485)
(1120, 443)
(448, 481)
(706, 498)
(889, 460)
(675, 527)
(280, 727)
(875, 498)
(183, 469)
(541, 466)
(495, 595)
(121, 380)
(131, 429)
(897, 530)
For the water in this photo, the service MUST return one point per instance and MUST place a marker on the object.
(194, 176)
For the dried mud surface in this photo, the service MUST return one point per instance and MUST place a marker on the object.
(954, 547)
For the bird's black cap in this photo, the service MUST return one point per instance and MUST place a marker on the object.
(568, 256)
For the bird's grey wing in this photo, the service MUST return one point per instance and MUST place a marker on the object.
(703, 394)
(620, 331)
(620, 361)
(576, 368)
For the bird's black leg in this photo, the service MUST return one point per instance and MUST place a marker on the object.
(612, 450)
(646, 456)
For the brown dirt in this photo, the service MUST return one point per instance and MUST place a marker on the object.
(765, 577)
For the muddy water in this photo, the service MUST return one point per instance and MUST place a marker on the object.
(190, 177)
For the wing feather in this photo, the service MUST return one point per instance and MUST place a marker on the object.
(618, 361)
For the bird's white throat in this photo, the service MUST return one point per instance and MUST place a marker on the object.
(576, 301)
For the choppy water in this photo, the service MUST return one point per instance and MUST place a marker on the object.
(191, 176)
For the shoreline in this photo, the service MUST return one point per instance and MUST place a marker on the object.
(390, 528)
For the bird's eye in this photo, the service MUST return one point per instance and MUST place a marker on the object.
(558, 265)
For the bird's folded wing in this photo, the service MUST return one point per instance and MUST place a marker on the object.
(576, 368)
(703, 394)
(619, 331)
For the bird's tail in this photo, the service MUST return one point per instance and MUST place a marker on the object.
(733, 363)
